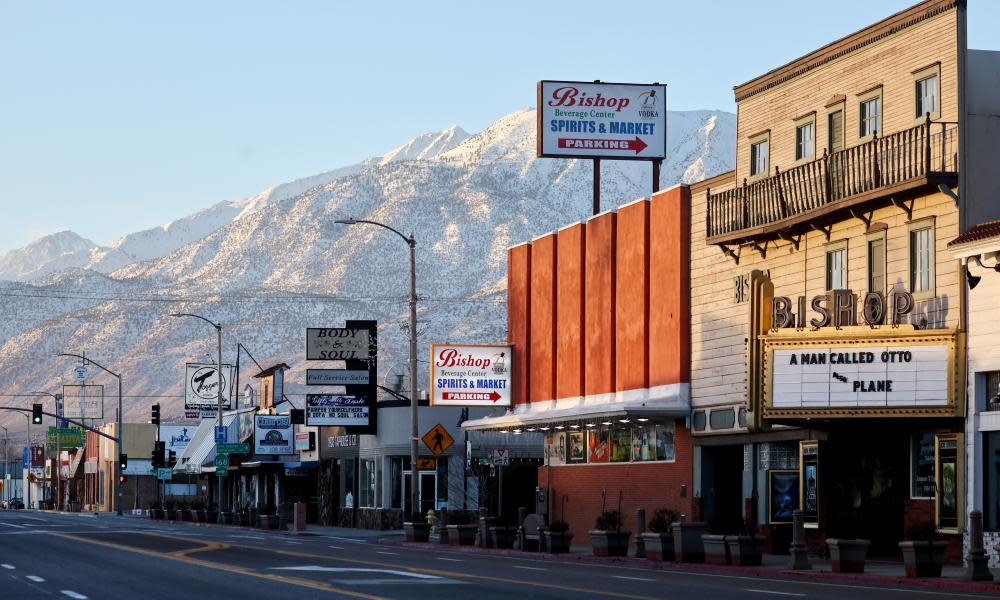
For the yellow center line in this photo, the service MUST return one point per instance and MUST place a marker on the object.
(460, 575)
(308, 583)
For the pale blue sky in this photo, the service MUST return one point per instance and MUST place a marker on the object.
(118, 116)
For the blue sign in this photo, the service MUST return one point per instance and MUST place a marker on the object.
(220, 434)
(26, 450)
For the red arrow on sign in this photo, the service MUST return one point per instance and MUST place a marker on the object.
(492, 396)
(583, 144)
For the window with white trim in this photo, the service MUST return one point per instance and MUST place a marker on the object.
(759, 154)
(871, 116)
(836, 266)
(805, 140)
(922, 258)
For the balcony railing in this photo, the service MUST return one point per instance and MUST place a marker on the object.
(912, 156)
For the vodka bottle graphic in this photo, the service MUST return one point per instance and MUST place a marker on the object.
(650, 99)
(499, 363)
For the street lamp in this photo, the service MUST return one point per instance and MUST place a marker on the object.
(118, 437)
(218, 372)
(6, 469)
(414, 433)
(57, 472)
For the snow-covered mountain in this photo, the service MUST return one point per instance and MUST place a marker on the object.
(66, 250)
(269, 273)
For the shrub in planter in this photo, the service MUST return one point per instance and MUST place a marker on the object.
(745, 550)
(608, 538)
(557, 537)
(502, 533)
(659, 537)
(417, 529)
(847, 556)
(923, 553)
(461, 529)
(688, 545)
(716, 549)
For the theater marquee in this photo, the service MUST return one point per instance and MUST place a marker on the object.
(861, 372)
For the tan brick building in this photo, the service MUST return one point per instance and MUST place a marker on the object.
(827, 325)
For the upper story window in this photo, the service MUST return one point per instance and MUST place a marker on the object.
(927, 92)
(922, 258)
(836, 266)
(805, 138)
(876, 262)
(871, 116)
(835, 129)
(759, 154)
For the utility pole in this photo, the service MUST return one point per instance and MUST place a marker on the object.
(6, 469)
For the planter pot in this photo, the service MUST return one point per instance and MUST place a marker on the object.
(609, 543)
(462, 535)
(185, 514)
(688, 546)
(746, 550)
(417, 532)
(158, 513)
(502, 537)
(211, 516)
(443, 536)
(659, 546)
(716, 549)
(267, 521)
(201, 515)
(923, 559)
(171, 514)
(557, 542)
(847, 556)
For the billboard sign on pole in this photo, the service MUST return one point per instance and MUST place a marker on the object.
(618, 121)
(336, 377)
(337, 343)
(201, 386)
(83, 401)
(273, 435)
(336, 410)
(467, 375)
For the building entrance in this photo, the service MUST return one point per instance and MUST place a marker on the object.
(722, 487)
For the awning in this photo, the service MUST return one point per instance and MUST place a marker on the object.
(664, 401)
(74, 463)
(308, 464)
(200, 451)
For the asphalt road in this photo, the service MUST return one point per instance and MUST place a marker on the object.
(75, 556)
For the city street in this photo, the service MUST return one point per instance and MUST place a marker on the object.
(45, 555)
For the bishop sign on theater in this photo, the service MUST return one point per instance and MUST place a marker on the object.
(602, 120)
(464, 375)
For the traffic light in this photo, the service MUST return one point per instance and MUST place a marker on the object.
(122, 479)
(36, 414)
(156, 414)
(297, 416)
(172, 459)
(159, 450)
(122, 461)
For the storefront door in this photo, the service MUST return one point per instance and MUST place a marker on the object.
(427, 494)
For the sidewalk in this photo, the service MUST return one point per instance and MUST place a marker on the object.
(877, 573)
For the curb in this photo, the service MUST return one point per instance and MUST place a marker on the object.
(858, 578)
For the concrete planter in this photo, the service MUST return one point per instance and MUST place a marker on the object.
(688, 546)
(502, 537)
(716, 549)
(267, 521)
(847, 556)
(417, 532)
(462, 535)
(659, 546)
(158, 513)
(609, 543)
(557, 542)
(443, 535)
(923, 559)
(746, 550)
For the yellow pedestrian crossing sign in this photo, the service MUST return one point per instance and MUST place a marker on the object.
(438, 440)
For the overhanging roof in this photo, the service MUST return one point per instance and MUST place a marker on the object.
(673, 400)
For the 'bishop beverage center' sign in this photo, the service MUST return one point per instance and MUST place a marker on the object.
(602, 120)
(470, 375)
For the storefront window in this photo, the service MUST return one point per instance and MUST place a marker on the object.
(809, 481)
(396, 477)
(665, 449)
(638, 442)
(621, 445)
(643, 443)
(991, 481)
(598, 446)
(922, 465)
(370, 486)
(947, 477)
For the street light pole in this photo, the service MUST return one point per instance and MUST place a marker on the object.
(57, 473)
(6, 470)
(218, 373)
(414, 423)
(120, 433)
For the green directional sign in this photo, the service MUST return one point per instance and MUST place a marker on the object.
(221, 465)
(242, 448)
(67, 437)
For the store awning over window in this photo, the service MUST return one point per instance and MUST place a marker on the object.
(665, 401)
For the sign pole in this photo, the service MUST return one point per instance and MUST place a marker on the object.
(597, 186)
(656, 175)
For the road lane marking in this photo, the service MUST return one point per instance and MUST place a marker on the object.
(529, 568)
(35, 578)
(387, 553)
(451, 559)
(73, 595)
(307, 583)
(317, 568)
(632, 578)
(337, 547)
(6, 566)
(13, 525)
(773, 592)
(347, 539)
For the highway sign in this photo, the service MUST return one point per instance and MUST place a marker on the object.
(80, 373)
(438, 440)
(221, 464)
(242, 448)
(220, 434)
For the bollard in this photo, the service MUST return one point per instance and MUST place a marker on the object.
(640, 528)
(299, 516)
(976, 562)
(800, 557)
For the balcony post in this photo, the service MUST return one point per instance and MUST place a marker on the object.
(876, 172)
(781, 195)
(927, 144)
(746, 206)
(708, 213)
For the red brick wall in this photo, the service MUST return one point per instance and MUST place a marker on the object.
(599, 282)
(646, 485)
(571, 247)
(669, 287)
(632, 297)
(518, 318)
(542, 336)
(919, 512)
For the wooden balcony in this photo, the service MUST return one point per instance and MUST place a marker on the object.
(852, 182)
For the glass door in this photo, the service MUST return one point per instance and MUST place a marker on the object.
(426, 494)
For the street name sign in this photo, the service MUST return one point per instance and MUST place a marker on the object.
(241, 448)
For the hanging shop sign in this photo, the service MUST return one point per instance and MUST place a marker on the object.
(201, 385)
(272, 435)
(83, 401)
(579, 119)
(337, 343)
(336, 377)
(853, 372)
(336, 410)
(470, 375)
(176, 437)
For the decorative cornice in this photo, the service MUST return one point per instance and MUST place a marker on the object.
(855, 41)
